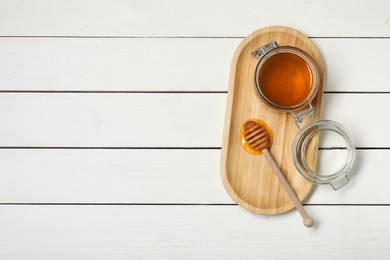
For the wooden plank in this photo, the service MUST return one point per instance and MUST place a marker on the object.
(355, 112)
(162, 120)
(118, 120)
(111, 176)
(351, 64)
(194, 232)
(58, 64)
(157, 176)
(115, 64)
(198, 18)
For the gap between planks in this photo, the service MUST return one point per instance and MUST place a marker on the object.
(156, 92)
(179, 204)
(175, 37)
(151, 148)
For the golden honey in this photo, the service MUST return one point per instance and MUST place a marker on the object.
(244, 143)
(285, 79)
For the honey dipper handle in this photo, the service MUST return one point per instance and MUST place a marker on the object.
(307, 220)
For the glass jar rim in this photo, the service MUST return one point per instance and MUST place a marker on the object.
(313, 71)
(299, 146)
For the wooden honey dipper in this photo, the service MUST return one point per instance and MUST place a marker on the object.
(257, 138)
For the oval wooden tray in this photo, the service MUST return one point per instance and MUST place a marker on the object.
(248, 178)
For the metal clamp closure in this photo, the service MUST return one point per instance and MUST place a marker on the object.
(298, 117)
(340, 182)
(263, 50)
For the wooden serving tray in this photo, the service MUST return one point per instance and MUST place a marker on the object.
(248, 178)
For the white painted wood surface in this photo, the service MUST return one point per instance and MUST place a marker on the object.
(218, 18)
(156, 176)
(158, 120)
(191, 232)
(94, 169)
(165, 64)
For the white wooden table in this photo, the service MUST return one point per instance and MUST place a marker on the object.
(111, 126)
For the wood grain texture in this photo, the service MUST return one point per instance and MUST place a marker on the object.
(196, 64)
(116, 120)
(185, 120)
(196, 18)
(190, 232)
(248, 179)
(111, 176)
(115, 64)
(157, 176)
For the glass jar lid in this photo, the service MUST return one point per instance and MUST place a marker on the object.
(330, 163)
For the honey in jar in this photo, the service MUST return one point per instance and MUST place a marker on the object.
(285, 79)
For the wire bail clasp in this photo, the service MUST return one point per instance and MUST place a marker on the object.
(263, 50)
(298, 117)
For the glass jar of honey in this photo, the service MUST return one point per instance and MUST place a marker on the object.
(286, 78)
